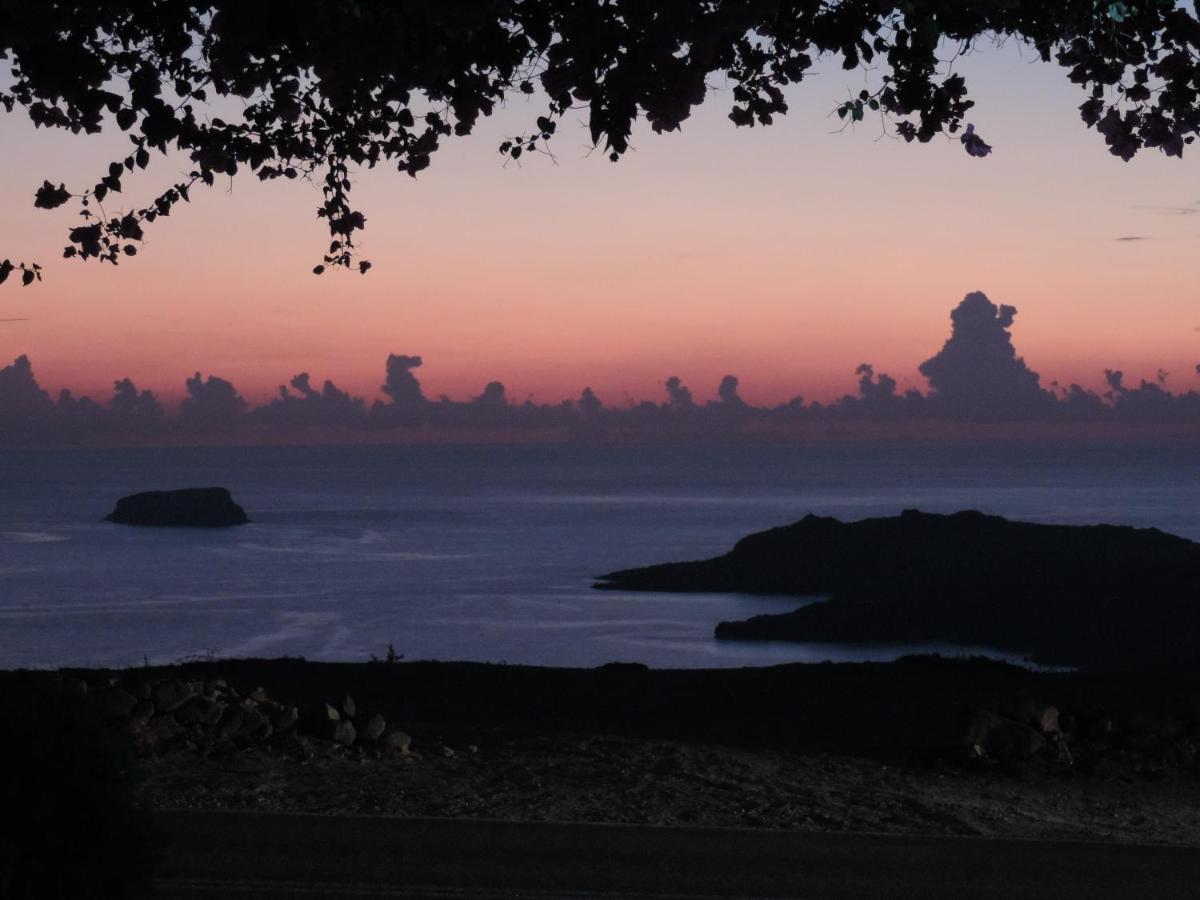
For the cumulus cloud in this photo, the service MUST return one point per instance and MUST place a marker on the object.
(133, 408)
(678, 396)
(299, 403)
(401, 384)
(20, 394)
(727, 392)
(210, 403)
(27, 413)
(977, 375)
(493, 396)
(590, 406)
(406, 403)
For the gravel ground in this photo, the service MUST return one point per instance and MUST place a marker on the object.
(644, 781)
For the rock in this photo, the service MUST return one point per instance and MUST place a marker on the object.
(1033, 712)
(396, 741)
(374, 728)
(113, 702)
(142, 712)
(321, 720)
(160, 731)
(1048, 720)
(170, 695)
(200, 711)
(284, 718)
(344, 733)
(231, 723)
(1001, 738)
(255, 725)
(188, 508)
(1148, 723)
(139, 689)
(1061, 750)
(348, 707)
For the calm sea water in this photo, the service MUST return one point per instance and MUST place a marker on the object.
(484, 553)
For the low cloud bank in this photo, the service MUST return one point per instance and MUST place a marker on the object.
(976, 377)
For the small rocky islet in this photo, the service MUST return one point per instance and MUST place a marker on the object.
(209, 507)
(1093, 596)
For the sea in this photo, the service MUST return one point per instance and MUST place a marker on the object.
(488, 553)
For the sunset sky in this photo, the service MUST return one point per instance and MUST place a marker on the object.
(784, 255)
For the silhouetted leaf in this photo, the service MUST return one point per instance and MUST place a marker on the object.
(49, 197)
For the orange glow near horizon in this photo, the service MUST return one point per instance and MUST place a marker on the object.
(786, 256)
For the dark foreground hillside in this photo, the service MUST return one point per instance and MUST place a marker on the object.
(920, 745)
(1102, 596)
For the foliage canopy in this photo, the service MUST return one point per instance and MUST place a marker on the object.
(313, 88)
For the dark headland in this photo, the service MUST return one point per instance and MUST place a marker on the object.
(1096, 596)
(211, 507)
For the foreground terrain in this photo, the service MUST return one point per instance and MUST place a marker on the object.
(919, 746)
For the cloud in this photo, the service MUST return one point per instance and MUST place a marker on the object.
(20, 394)
(678, 396)
(727, 392)
(28, 415)
(401, 385)
(14, 320)
(210, 403)
(299, 403)
(976, 377)
(590, 406)
(977, 374)
(1184, 209)
(493, 397)
(1133, 237)
(133, 408)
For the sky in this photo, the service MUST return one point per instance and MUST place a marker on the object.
(785, 255)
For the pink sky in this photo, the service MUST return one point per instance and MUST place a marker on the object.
(785, 255)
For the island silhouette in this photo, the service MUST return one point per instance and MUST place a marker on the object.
(1096, 596)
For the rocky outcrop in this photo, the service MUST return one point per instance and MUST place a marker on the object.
(1098, 596)
(1148, 741)
(209, 717)
(187, 508)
